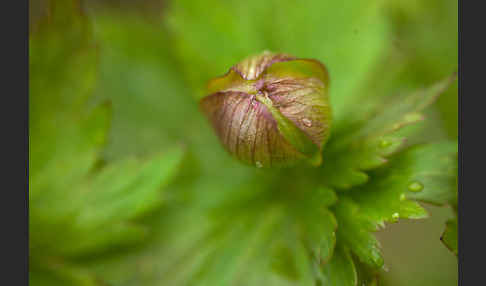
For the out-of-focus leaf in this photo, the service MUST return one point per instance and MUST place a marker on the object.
(98, 213)
(419, 26)
(79, 206)
(62, 71)
(449, 237)
(53, 271)
(252, 238)
(62, 65)
(63, 153)
(208, 44)
(152, 107)
(65, 137)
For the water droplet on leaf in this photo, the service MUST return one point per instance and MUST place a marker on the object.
(395, 216)
(413, 117)
(402, 197)
(385, 143)
(258, 164)
(415, 187)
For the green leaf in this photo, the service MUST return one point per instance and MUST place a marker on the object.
(62, 72)
(384, 198)
(62, 63)
(319, 224)
(122, 191)
(239, 250)
(340, 271)
(367, 136)
(367, 276)
(251, 238)
(79, 205)
(441, 183)
(449, 237)
(63, 153)
(419, 26)
(57, 272)
(98, 213)
(354, 231)
(421, 168)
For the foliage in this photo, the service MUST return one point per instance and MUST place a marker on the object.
(79, 205)
(129, 185)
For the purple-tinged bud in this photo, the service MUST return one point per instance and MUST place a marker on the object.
(271, 109)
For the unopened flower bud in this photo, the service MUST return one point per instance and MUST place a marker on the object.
(271, 109)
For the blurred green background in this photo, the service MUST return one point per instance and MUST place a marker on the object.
(154, 57)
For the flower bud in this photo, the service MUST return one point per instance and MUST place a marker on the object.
(271, 109)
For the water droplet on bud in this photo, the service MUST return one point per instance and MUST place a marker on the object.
(307, 122)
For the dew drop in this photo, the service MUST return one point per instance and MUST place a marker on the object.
(258, 164)
(402, 197)
(307, 122)
(253, 101)
(415, 187)
(412, 117)
(385, 143)
(395, 216)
